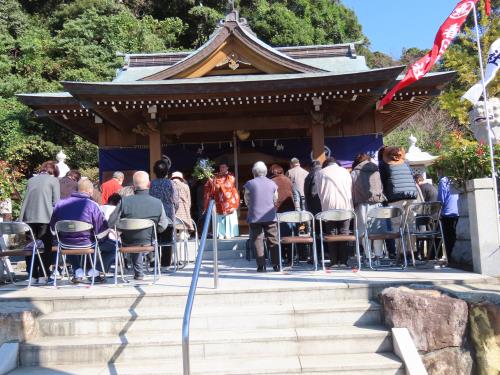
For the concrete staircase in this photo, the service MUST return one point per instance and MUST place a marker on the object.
(307, 330)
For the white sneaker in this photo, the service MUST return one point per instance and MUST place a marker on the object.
(93, 272)
(79, 273)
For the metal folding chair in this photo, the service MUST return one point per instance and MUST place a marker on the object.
(384, 223)
(338, 215)
(134, 225)
(63, 249)
(297, 217)
(426, 215)
(11, 227)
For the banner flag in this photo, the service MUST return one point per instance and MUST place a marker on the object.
(447, 32)
(474, 93)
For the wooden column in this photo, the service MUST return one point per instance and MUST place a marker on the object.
(318, 141)
(154, 149)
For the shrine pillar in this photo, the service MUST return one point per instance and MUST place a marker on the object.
(318, 137)
(154, 148)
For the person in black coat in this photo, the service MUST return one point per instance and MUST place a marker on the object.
(313, 203)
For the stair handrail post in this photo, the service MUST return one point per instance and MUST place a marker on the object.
(215, 249)
(192, 291)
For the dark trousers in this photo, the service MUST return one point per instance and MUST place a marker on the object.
(338, 250)
(286, 229)
(450, 234)
(42, 233)
(166, 251)
(269, 232)
(107, 249)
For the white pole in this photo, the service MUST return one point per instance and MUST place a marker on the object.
(487, 113)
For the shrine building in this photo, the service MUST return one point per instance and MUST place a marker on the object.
(236, 99)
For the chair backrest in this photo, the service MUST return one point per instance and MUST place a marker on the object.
(424, 213)
(336, 215)
(135, 224)
(13, 227)
(384, 220)
(295, 217)
(179, 221)
(385, 213)
(72, 226)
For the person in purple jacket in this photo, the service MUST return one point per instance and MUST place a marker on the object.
(79, 206)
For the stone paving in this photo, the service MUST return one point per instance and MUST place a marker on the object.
(240, 274)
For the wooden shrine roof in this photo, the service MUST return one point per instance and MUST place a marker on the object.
(236, 75)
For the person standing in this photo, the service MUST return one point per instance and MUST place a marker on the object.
(399, 186)
(313, 203)
(261, 195)
(112, 186)
(448, 196)
(163, 189)
(184, 210)
(227, 200)
(298, 175)
(42, 193)
(141, 205)
(367, 193)
(429, 191)
(284, 203)
(69, 183)
(335, 192)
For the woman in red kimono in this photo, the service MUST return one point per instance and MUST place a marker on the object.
(227, 200)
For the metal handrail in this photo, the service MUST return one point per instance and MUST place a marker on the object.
(211, 213)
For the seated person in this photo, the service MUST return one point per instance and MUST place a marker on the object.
(79, 206)
(139, 206)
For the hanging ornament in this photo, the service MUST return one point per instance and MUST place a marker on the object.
(231, 144)
(253, 144)
(275, 142)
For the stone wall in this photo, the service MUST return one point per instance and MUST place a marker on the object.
(18, 324)
(462, 252)
(437, 324)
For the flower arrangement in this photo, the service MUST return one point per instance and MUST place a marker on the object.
(204, 169)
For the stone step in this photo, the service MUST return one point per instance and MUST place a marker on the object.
(114, 321)
(238, 243)
(226, 254)
(205, 344)
(343, 364)
(110, 297)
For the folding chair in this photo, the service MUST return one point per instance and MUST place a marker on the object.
(10, 227)
(384, 223)
(338, 215)
(63, 249)
(181, 226)
(134, 225)
(424, 214)
(196, 237)
(297, 217)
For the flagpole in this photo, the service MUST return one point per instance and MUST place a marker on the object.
(487, 113)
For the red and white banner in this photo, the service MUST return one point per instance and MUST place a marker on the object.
(447, 32)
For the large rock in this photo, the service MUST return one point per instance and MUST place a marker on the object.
(448, 361)
(18, 325)
(435, 320)
(485, 335)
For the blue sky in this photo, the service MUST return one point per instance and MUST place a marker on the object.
(393, 24)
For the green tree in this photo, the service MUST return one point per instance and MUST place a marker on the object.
(462, 58)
